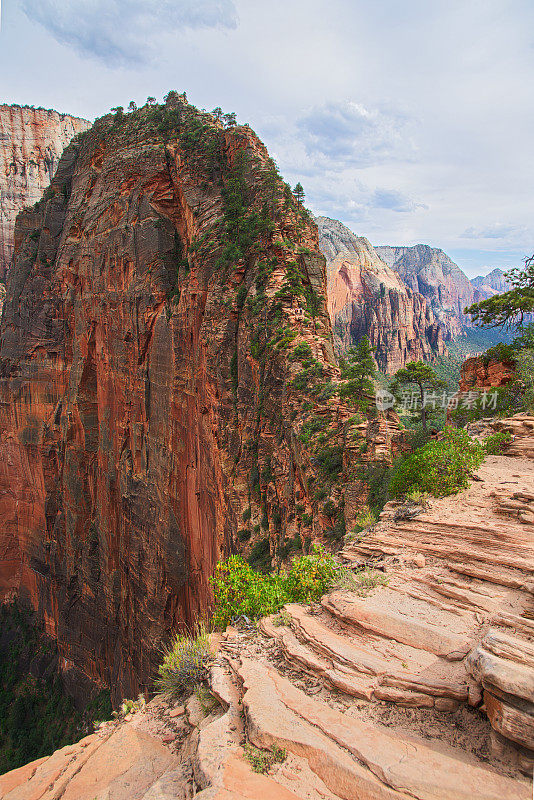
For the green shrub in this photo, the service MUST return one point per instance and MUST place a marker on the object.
(440, 467)
(330, 461)
(301, 352)
(310, 576)
(185, 663)
(499, 352)
(240, 590)
(496, 443)
(262, 760)
(364, 519)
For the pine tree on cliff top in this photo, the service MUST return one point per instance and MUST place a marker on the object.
(298, 191)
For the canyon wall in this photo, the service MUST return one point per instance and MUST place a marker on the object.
(153, 396)
(430, 271)
(367, 298)
(494, 282)
(31, 143)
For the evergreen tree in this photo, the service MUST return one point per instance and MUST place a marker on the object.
(508, 309)
(298, 191)
(359, 372)
(217, 113)
(420, 378)
(132, 106)
(230, 120)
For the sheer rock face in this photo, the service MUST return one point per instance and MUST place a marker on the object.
(148, 407)
(367, 298)
(431, 272)
(31, 143)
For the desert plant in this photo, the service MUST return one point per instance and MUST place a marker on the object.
(282, 618)
(185, 663)
(262, 760)
(368, 579)
(496, 443)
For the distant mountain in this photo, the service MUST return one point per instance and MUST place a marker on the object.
(367, 298)
(493, 283)
(430, 271)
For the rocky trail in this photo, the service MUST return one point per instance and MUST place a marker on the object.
(422, 688)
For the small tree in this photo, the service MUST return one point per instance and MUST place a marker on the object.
(119, 114)
(132, 106)
(359, 371)
(217, 113)
(298, 191)
(230, 119)
(151, 101)
(419, 377)
(508, 309)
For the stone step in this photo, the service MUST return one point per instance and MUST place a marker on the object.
(377, 618)
(363, 672)
(361, 760)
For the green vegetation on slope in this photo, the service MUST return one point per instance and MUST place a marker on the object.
(36, 714)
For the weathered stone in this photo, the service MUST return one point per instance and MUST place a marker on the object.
(366, 298)
(31, 143)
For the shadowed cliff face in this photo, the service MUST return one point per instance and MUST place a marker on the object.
(367, 298)
(149, 410)
(31, 144)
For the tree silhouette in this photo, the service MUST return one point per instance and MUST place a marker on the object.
(298, 191)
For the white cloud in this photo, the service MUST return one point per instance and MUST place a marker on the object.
(411, 121)
(348, 134)
(497, 230)
(125, 31)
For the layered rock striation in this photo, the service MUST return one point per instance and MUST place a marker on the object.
(367, 298)
(31, 143)
(153, 392)
(421, 688)
(430, 271)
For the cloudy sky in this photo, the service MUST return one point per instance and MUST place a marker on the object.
(409, 121)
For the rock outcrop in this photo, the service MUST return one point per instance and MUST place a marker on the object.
(430, 271)
(367, 298)
(31, 143)
(422, 688)
(481, 373)
(152, 407)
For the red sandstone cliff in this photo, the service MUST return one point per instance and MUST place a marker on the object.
(149, 407)
(476, 373)
(31, 143)
(367, 298)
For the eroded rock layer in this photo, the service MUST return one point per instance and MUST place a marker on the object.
(367, 298)
(422, 688)
(31, 143)
(431, 272)
(151, 402)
